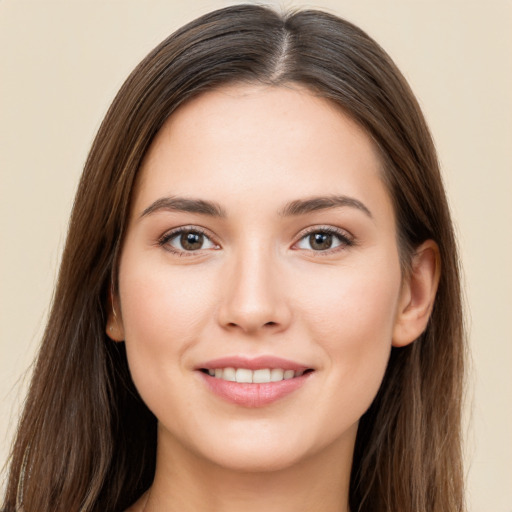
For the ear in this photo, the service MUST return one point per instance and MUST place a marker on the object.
(114, 327)
(418, 294)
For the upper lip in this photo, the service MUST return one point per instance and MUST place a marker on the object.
(252, 363)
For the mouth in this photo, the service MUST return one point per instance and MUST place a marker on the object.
(253, 382)
(259, 376)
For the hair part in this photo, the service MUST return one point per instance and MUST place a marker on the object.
(86, 441)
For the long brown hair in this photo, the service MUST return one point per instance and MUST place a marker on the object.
(86, 441)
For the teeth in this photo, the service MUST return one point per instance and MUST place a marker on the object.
(289, 374)
(243, 375)
(261, 376)
(229, 374)
(276, 374)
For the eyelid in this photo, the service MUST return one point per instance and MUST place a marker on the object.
(346, 239)
(172, 233)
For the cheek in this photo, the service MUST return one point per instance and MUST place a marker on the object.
(352, 301)
(351, 317)
(162, 313)
(160, 299)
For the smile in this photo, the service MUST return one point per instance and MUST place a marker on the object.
(261, 376)
(253, 382)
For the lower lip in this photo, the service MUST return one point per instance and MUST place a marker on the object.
(254, 395)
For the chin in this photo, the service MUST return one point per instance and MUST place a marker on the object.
(265, 448)
(256, 459)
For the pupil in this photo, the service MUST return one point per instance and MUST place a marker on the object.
(320, 241)
(191, 241)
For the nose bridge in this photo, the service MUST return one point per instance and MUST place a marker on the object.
(253, 297)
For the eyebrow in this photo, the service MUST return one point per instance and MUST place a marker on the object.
(303, 206)
(293, 208)
(182, 204)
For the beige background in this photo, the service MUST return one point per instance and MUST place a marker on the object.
(61, 63)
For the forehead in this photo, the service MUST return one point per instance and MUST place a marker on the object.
(241, 139)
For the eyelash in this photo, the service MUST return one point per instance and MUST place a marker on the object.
(344, 239)
(164, 240)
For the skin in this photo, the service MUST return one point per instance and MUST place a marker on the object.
(258, 287)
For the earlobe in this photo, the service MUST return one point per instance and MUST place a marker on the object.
(114, 327)
(418, 294)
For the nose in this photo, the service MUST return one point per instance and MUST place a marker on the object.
(253, 296)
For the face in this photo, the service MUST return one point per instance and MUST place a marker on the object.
(262, 239)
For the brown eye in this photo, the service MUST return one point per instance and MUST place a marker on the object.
(186, 240)
(191, 241)
(320, 241)
(324, 240)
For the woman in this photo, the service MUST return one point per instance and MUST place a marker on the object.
(258, 303)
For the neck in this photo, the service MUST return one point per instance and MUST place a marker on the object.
(185, 482)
